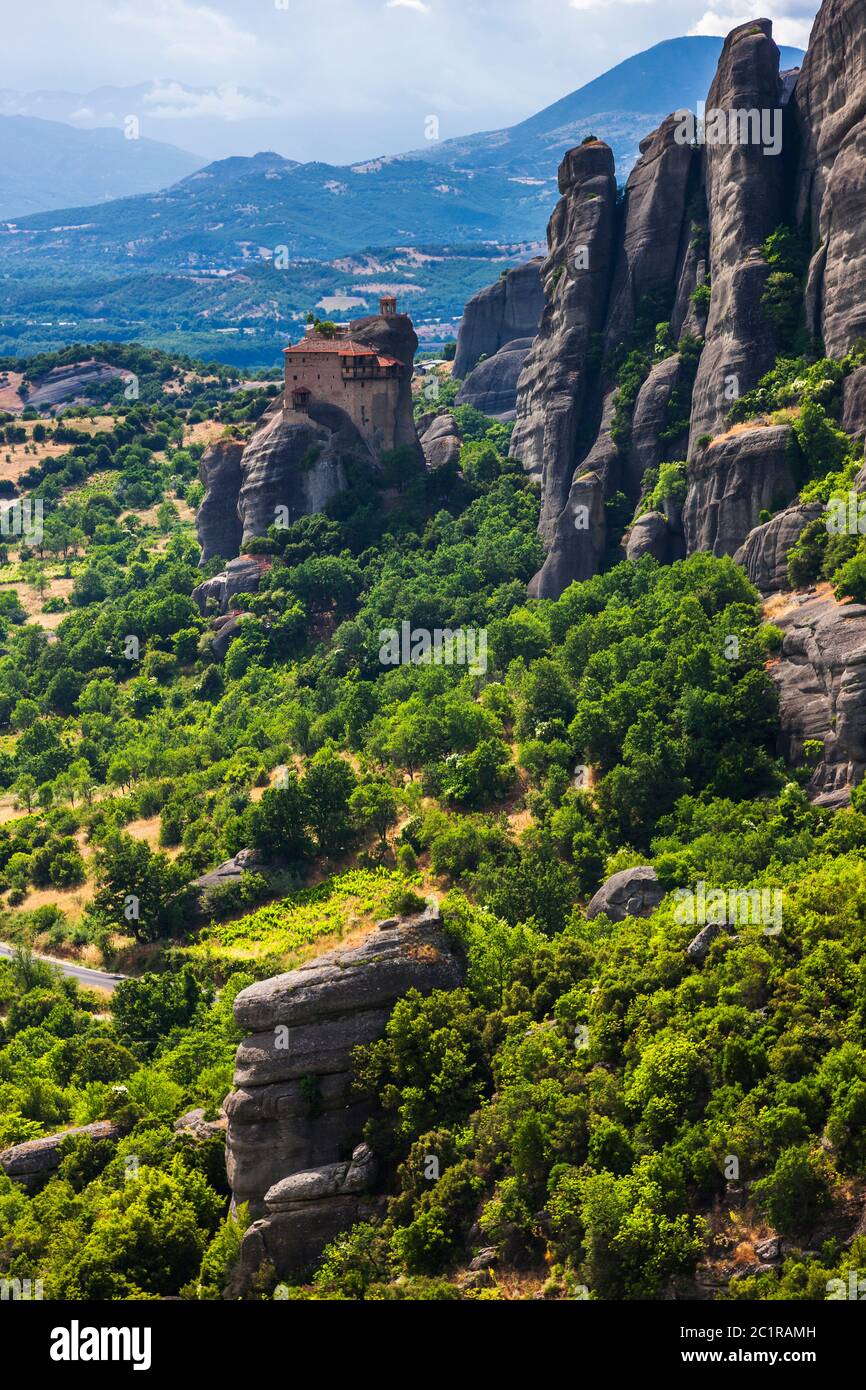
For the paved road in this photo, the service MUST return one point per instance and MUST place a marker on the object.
(90, 979)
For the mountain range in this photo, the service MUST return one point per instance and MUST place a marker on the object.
(47, 165)
(256, 240)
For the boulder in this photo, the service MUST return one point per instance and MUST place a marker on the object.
(329, 1180)
(821, 678)
(744, 191)
(33, 1162)
(217, 523)
(739, 475)
(245, 861)
(650, 535)
(699, 947)
(240, 576)
(764, 553)
(500, 313)
(194, 1123)
(629, 893)
(441, 442)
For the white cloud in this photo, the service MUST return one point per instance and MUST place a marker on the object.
(418, 5)
(792, 19)
(185, 32)
(225, 102)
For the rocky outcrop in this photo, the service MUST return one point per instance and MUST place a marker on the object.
(33, 1162)
(295, 1119)
(630, 893)
(854, 403)
(764, 553)
(553, 390)
(296, 464)
(652, 246)
(647, 449)
(650, 535)
(829, 102)
(580, 538)
(240, 576)
(230, 871)
(217, 523)
(563, 410)
(500, 313)
(441, 442)
(492, 386)
(732, 481)
(745, 200)
(394, 336)
(821, 678)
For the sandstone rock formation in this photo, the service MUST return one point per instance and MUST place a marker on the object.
(240, 576)
(744, 189)
(295, 1121)
(500, 313)
(829, 103)
(33, 1162)
(297, 462)
(492, 385)
(565, 409)
(732, 481)
(821, 678)
(441, 441)
(218, 524)
(764, 553)
(630, 893)
(554, 385)
(650, 535)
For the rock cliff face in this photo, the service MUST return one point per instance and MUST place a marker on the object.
(744, 188)
(565, 406)
(219, 526)
(499, 314)
(492, 385)
(821, 677)
(732, 481)
(689, 248)
(295, 1122)
(829, 103)
(555, 387)
(764, 553)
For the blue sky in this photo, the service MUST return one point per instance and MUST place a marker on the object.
(342, 79)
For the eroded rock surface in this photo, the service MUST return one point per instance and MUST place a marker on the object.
(764, 553)
(33, 1162)
(218, 524)
(500, 313)
(821, 678)
(441, 442)
(731, 482)
(492, 386)
(630, 893)
(295, 1120)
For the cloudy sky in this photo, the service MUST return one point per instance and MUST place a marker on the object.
(340, 80)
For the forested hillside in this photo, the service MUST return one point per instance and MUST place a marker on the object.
(586, 1090)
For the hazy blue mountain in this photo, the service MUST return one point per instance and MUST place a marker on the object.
(45, 165)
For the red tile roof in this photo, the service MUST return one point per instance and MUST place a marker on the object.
(344, 347)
